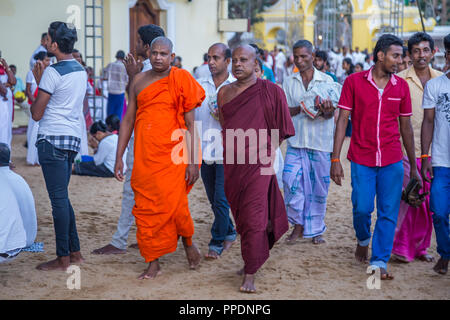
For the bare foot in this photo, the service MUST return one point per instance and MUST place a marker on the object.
(109, 249)
(60, 263)
(441, 266)
(296, 233)
(212, 255)
(152, 271)
(362, 253)
(193, 255)
(133, 246)
(227, 245)
(384, 275)
(248, 284)
(426, 258)
(318, 240)
(76, 257)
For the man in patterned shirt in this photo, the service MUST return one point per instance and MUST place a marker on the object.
(57, 108)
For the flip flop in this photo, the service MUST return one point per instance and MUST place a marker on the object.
(384, 275)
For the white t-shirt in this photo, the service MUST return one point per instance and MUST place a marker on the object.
(202, 71)
(66, 82)
(106, 152)
(437, 95)
(30, 79)
(211, 136)
(25, 200)
(280, 59)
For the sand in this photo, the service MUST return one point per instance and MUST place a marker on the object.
(301, 271)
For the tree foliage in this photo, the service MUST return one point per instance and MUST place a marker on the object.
(248, 9)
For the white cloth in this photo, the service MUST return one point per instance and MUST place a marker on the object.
(106, 152)
(147, 65)
(12, 232)
(358, 57)
(318, 133)
(437, 95)
(117, 77)
(25, 200)
(84, 148)
(32, 60)
(66, 82)
(367, 66)
(32, 131)
(30, 79)
(202, 72)
(269, 62)
(212, 150)
(280, 59)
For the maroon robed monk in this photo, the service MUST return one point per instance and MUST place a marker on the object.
(252, 111)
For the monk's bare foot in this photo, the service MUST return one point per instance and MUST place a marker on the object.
(248, 284)
(240, 272)
(152, 271)
(318, 240)
(109, 249)
(362, 253)
(399, 258)
(60, 263)
(76, 257)
(426, 258)
(296, 233)
(133, 246)
(227, 245)
(212, 255)
(441, 266)
(193, 255)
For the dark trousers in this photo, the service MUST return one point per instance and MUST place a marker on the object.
(89, 168)
(56, 166)
(222, 228)
(115, 104)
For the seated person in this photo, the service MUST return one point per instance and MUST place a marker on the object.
(104, 144)
(18, 225)
(113, 124)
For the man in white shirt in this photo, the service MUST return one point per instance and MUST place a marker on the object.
(436, 130)
(212, 171)
(306, 175)
(357, 56)
(118, 244)
(280, 60)
(42, 47)
(7, 80)
(58, 105)
(116, 75)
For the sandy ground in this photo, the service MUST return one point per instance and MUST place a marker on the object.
(302, 271)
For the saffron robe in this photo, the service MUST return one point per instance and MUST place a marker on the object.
(159, 185)
(255, 198)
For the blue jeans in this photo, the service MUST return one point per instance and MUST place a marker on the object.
(222, 228)
(57, 166)
(386, 183)
(440, 206)
(115, 104)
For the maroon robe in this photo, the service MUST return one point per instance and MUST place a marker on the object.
(255, 199)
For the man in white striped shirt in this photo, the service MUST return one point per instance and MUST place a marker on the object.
(312, 97)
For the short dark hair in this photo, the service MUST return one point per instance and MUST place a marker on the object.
(303, 44)
(150, 32)
(65, 35)
(349, 61)
(12, 66)
(5, 154)
(360, 64)
(205, 57)
(41, 55)
(447, 42)
(113, 122)
(43, 35)
(260, 62)
(98, 126)
(178, 58)
(405, 51)
(322, 55)
(418, 37)
(384, 43)
(120, 54)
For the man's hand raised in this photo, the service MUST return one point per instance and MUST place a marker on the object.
(131, 65)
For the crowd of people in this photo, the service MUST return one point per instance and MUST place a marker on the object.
(166, 128)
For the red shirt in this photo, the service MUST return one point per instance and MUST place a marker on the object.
(375, 140)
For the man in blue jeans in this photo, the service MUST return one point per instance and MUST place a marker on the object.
(378, 101)
(436, 129)
(62, 87)
(222, 231)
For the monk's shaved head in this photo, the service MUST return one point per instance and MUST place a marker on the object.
(247, 49)
(162, 41)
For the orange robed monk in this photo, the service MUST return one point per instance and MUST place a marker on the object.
(161, 102)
